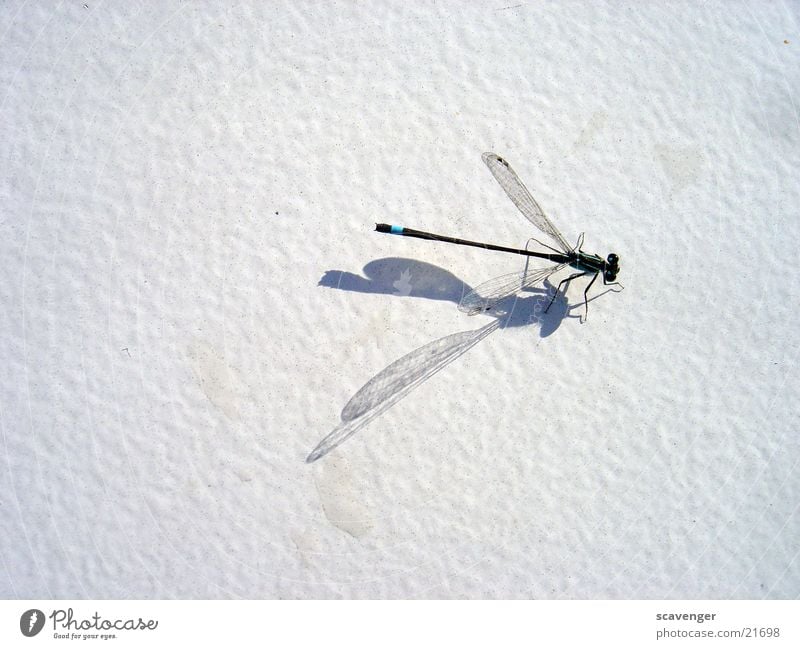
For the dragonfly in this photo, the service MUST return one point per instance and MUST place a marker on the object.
(399, 378)
(485, 296)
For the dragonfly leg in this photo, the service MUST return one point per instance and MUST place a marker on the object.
(544, 245)
(562, 282)
(586, 298)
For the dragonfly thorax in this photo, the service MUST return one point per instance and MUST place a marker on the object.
(595, 264)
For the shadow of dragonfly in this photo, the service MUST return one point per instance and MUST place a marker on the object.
(410, 278)
(393, 383)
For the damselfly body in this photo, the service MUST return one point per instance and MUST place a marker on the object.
(397, 380)
(486, 295)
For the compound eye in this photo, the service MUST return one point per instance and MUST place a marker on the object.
(613, 259)
(610, 277)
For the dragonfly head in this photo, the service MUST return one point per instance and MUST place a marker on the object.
(611, 267)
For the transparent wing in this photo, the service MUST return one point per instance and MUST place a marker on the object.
(397, 380)
(522, 198)
(484, 296)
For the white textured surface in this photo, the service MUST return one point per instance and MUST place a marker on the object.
(177, 179)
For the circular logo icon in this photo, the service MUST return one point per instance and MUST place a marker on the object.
(31, 622)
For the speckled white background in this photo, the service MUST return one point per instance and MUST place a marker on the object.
(177, 178)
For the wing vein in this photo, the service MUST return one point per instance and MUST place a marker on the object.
(522, 198)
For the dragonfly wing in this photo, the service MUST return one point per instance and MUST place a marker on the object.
(522, 198)
(484, 296)
(396, 381)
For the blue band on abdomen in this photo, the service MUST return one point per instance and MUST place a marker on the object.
(397, 229)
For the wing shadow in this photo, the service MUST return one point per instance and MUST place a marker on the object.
(403, 277)
(398, 276)
(402, 376)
